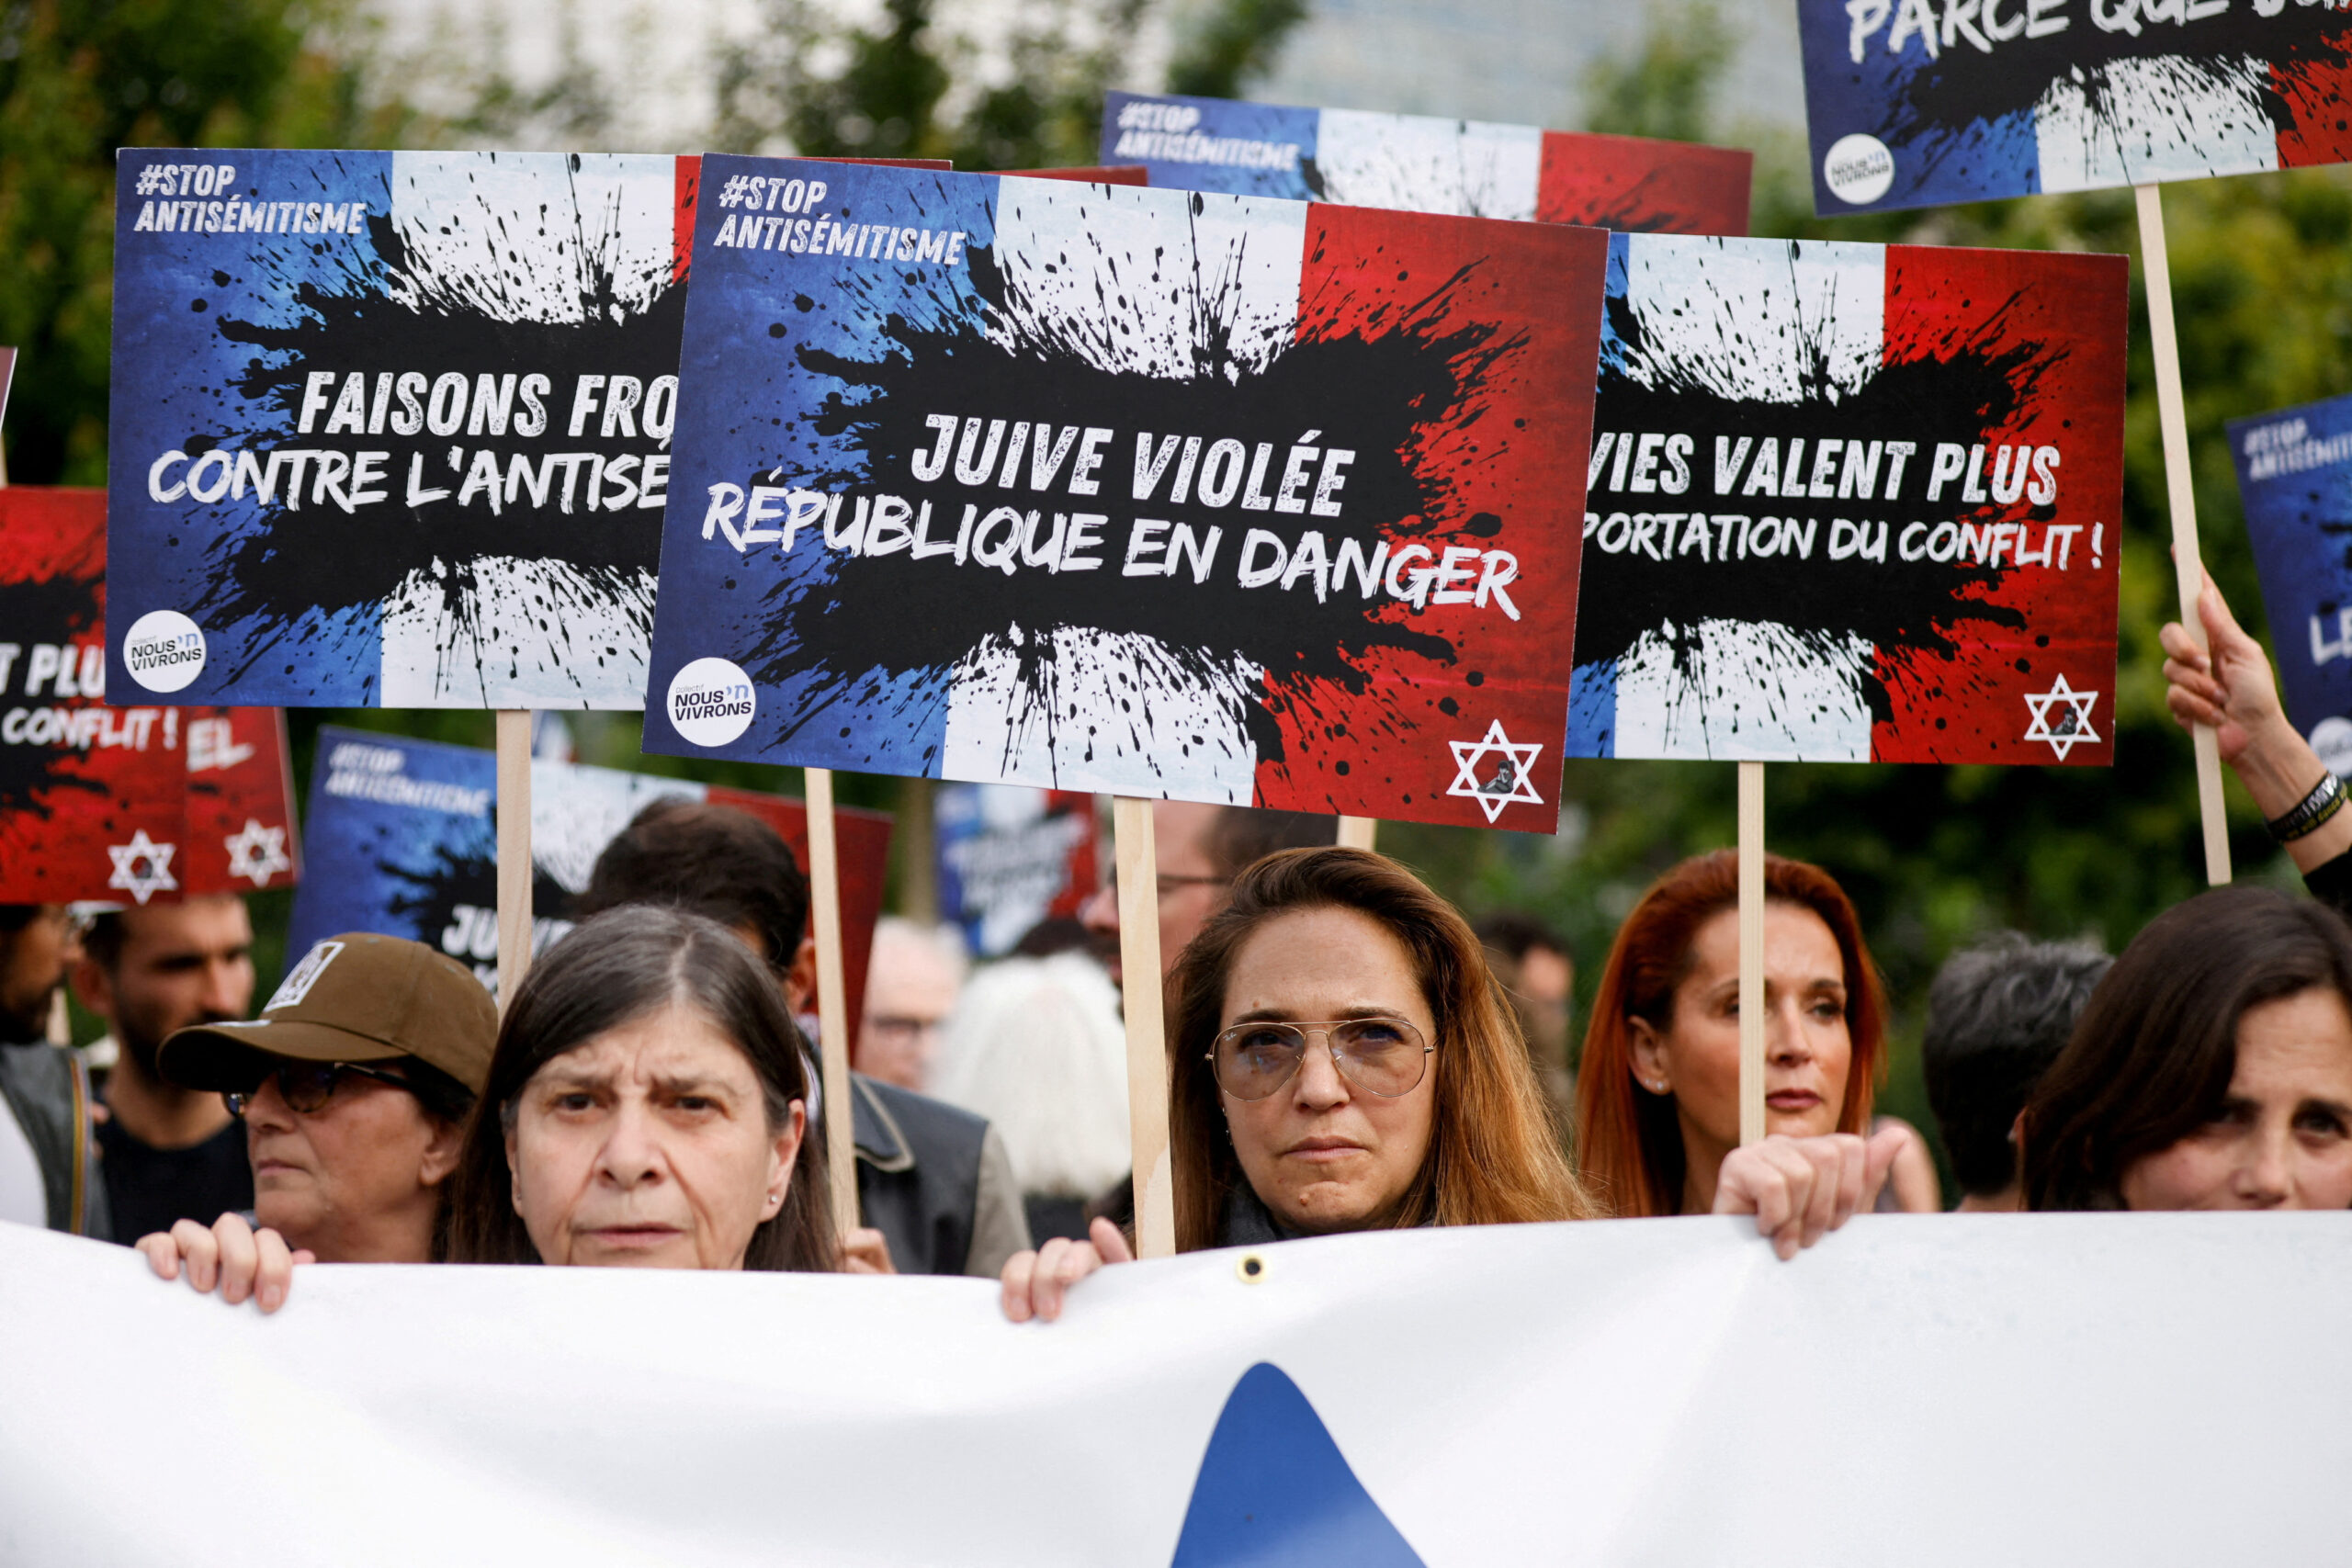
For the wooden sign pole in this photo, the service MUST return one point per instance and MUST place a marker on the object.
(1751, 953)
(2188, 571)
(1139, 874)
(832, 1001)
(1358, 832)
(513, 851)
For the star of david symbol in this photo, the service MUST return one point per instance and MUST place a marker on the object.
(1510, 777)
(258, 853)
(2072, 725)
(142, 867)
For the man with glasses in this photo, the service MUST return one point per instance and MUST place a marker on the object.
(352, 1088)
(1199, 850)
(48, 1172)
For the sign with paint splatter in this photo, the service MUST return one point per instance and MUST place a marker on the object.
(401, 838)
(1422, 163)
(115, 804)
(1151, 493)
(1011, 857)
(2295, 474)
(392, 428)
(1853, 503)
(1916, 103)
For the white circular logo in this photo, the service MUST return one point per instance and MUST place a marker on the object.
(2332, 738)
(1859, 169)
(711, 702)
(163, 650)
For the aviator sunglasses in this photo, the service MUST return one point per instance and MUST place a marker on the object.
(306, 1087)
(1386, 1056)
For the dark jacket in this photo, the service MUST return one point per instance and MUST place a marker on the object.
(49, 1093)
(2330, 882)
(934, 1181)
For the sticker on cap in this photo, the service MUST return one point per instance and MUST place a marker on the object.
(302, 976)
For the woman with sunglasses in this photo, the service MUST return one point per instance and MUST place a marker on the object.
(353, 1087)
(1343, 1060)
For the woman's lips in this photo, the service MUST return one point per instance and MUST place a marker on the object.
(1323, 1151)
(1792, 1099)
(625, 1236)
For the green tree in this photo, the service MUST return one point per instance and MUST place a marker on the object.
(76, 81)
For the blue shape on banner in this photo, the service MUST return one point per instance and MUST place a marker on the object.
(1274, 1490)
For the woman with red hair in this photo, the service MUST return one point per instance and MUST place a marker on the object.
(1658, 1093)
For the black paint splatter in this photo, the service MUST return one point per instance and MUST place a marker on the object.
(53, 610)
(1384, 392)
(1965, 84)
(398, 312)
(1971, 383)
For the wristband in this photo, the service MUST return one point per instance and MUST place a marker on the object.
(2325, 801)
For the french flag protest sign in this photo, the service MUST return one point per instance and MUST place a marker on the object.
(391, 429)
(123, 804)
(1918, 103)
(1422, 163)
(402, 838)
(1853, 503)
(1131, 491)
(2295, 475)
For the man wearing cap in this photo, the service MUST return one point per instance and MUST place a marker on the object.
(355, 1084)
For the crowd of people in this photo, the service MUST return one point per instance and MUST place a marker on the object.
(1345, 1053)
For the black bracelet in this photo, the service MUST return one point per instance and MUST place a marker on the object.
(2325, 801)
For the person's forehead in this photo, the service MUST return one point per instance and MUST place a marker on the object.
(1332, 960)
(1798, 945)
(675, 1043)
(205, 925)
(2296, 1045)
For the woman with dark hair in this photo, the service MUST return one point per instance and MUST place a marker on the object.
(2212, 1068)
(646, 1108)
(1342, 1059)
(1657, 1092)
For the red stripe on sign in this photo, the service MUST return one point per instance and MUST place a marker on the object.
(1639, 186)
(682, 215)
(2317, 94)
(1512, 312)
(2053, 327)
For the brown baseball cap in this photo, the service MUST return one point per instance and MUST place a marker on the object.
(355, 997)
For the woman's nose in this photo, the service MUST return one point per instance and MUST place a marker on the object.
(1319, 1083)
(632, 1152)
(1785, 1039)
(2266, 1179)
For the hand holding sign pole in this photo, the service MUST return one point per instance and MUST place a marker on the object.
(1137, 857)
(832, 1000)
(2189, 570)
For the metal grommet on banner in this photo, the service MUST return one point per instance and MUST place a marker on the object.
(1250, 1269)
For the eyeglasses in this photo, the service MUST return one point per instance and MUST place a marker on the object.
(306, 1087)
(1386, 1056)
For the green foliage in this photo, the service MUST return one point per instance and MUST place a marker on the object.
(1234, 45)
(76, 81)
(1667, 88)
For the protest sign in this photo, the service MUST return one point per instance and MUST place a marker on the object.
(1423, 163)
(1853, 503)
(1913, 103)
(399, 838)
(391, 429)
(2295, 474)
(115, 804)
(1010, 857)
(1287, 523)
(1624, 1392)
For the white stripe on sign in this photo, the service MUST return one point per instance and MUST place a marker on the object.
(1752, 321)
(1742, 690)
(1415, 164)
(2165, 118)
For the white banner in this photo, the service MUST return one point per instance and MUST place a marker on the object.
(2142, 1389)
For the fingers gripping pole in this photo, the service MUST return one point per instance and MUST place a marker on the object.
(2178, 481)
(832, 1003)
(1139, 873)
(513, 853)
(1751, 953)
(1358, 832)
